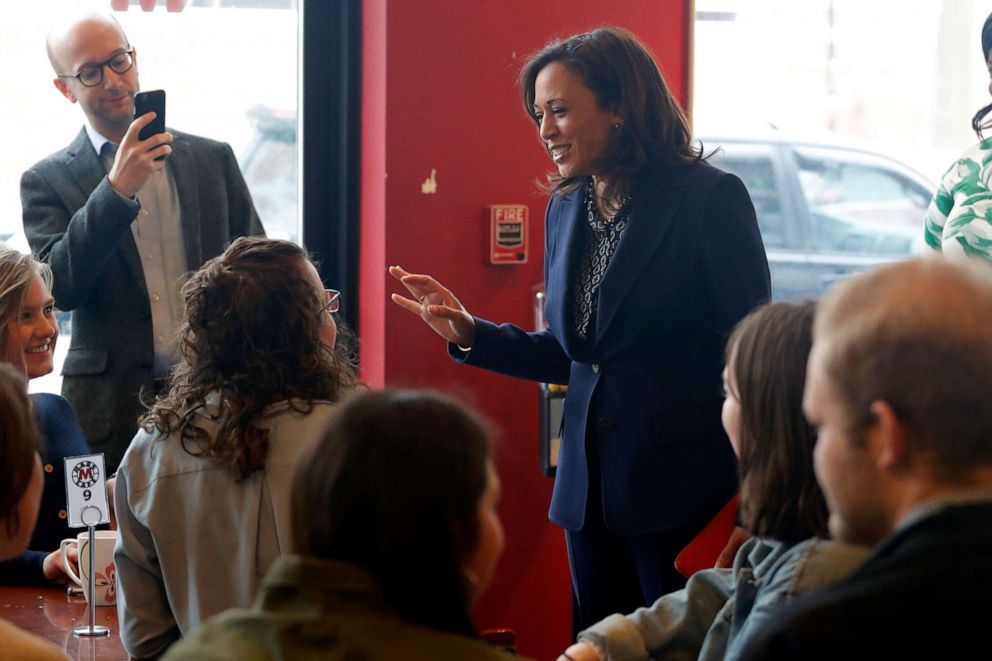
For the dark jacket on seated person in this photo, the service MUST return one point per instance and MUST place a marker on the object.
(923, 594)
(312, 608)
(61, 437)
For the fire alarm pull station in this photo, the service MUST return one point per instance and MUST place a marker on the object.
(508, 233)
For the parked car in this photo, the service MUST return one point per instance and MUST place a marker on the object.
(825, 210)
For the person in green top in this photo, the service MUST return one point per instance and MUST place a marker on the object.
(396, 526)
(959, 219)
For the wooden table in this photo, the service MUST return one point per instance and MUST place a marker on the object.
(51, 614)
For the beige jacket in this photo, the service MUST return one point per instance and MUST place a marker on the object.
(193, 540)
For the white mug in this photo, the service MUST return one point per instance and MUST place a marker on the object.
(103, 560)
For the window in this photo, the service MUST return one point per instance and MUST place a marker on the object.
(861, 123)
(229, 70)
(860, 206)
(758, 175)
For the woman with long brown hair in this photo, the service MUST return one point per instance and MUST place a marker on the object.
(202, 494)
(651, 256)
(781, 505)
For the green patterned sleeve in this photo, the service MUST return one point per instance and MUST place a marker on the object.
(961, 182)
(940, 207)
(967, 231)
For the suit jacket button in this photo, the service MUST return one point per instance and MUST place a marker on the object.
(606, 423)
(49, 468)
(595, 368)
(63, 514)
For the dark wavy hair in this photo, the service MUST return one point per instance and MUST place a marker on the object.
(978, 123)
(19, 441)
(393, 487)
(766, 358)
(625, 79)
(251, 333)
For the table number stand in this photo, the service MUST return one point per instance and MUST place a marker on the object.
(91, 629)
(86, 493)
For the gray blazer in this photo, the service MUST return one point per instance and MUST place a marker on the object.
(76, 223)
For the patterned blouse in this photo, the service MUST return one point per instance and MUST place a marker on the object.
(959, 220)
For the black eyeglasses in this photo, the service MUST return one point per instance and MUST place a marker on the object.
(333, 301)
(92, 74)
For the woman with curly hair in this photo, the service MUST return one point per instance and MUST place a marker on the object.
(203, 492)
(396, 532)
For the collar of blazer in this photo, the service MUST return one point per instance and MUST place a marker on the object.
(81, 143)
(85, 165)
(654, 207)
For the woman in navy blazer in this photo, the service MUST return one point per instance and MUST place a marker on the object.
(651, 258)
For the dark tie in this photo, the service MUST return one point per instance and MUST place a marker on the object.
(107, 153)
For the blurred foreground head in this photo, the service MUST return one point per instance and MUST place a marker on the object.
(898, 386)
(402, 486)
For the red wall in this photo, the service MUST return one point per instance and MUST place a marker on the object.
(439, 92)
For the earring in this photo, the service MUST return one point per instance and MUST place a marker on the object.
(471, 578)
(616, 126)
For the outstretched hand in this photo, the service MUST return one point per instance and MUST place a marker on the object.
(436, 305)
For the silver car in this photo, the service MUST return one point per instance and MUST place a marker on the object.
(825, 210)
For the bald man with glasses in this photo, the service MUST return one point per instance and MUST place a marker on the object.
(121, 226)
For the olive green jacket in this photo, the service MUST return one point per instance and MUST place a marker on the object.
(311, 608)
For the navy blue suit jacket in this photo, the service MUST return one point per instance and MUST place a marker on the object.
(690, 264)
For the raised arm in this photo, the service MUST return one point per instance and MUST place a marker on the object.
(503, 348)
(77, 244)
(436, 305)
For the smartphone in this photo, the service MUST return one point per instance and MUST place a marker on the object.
(145, 102)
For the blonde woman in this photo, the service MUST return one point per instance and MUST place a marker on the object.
(28, 332)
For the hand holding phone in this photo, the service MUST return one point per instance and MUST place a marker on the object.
(151, 101)
(131, 168)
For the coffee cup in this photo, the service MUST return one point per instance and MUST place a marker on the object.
(105, 573)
